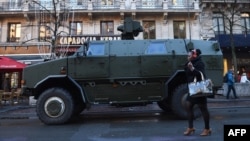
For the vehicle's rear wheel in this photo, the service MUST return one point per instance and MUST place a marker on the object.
(178, 102)
(55, 106)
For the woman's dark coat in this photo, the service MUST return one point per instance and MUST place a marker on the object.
(199, 66)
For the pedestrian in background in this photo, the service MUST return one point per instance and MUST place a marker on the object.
(193, 67)
(231, 83)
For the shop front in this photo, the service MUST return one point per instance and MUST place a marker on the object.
(242, 51)
(68, 45)
(10, 73)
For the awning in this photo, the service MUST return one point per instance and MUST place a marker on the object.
(10, 65)
(240, 40)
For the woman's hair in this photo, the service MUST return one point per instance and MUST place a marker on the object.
(196, 52)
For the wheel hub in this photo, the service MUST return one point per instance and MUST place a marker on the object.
(54, 107)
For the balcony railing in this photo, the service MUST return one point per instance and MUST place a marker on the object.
(181, 4)
(13, 39)
(149, 4)
(10, 6)
(99, 5)
(225, 1)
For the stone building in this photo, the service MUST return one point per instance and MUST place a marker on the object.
(31, 29)
(27, 26)
(217, 18)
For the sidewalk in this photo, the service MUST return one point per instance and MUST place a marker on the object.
(24, 110)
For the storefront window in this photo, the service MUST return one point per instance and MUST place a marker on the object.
(14, 80)
(10, 80)
(244, 62)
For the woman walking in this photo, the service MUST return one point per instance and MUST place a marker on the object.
(193, 67)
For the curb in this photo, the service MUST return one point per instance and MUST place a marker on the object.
(13, 108)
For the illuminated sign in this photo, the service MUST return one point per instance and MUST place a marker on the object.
(79, 40)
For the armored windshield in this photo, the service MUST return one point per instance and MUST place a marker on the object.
(156, 48)
(96, 49)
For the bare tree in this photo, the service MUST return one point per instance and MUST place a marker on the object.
(52, 19)
(231, 12)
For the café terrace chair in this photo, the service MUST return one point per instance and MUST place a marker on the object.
(1, 97)
(7, 97)
(17, 95)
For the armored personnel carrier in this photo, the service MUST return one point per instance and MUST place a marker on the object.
(120, 72)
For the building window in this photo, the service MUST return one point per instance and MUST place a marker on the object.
(245, 23)
(107, 2)
(107, 27)
(44, 32)
(46, 4)
(218, 24)
(149, 30)
(14, 32)
(15, 4)
(179, 30)
(76, 2)
(75, 28)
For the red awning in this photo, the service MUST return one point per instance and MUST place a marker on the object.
(7, 64)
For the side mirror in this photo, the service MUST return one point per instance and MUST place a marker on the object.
(216, 46)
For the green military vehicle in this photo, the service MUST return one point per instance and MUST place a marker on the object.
(120, 72)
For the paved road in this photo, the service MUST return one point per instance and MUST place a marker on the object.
(105, 123)
(127, 124)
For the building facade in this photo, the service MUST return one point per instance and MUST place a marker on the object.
(226, 20)
(31, 29)
(28, 26)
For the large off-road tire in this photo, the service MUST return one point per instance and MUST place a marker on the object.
(55, 106)
(178, 102)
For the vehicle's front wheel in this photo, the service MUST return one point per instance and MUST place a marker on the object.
(178, 102)
(55, 106)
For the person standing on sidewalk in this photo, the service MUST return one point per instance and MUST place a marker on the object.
(230, 83)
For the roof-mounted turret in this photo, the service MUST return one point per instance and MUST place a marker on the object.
(130, 29)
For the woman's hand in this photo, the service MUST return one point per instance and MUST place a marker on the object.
(190, 66)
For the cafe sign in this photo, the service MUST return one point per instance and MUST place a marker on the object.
(79, 40)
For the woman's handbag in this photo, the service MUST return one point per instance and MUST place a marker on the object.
(201, 88)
